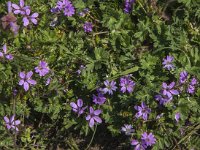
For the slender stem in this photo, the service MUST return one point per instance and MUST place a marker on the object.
(92, 138)
(141, 6)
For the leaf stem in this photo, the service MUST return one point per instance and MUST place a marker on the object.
(92, 138)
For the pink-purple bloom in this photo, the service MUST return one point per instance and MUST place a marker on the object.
(110, 87)
(28, 17)
(4, 53)
(167, 63)
(183, 77)
(12, 123)
(26, 80)
(169, 90)
(78, 107)
(127, 129)
(99, 99)
(191, 87)
(87, 27)
(93, 117)
(148, 139)
(65, 6)
(126, 84)
(42, 68)
(143, 111)
(128, 5)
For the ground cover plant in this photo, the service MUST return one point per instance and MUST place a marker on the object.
(100, 74)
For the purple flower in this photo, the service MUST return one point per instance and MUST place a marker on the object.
(100, 99)
(191, 86)
(128, 129)
(48, 81)
(191, 89)
(30, 18)
(138, 145)
(21, 8)
(110, 87)
(168, 89)
(128, 5)
(148, 139)
(66, 6)
(193, 81)
(78, 107)
(183, 77)
(4, 53)
(177, 116)
(167, 62)
(26, 80)
(87, 27)
(163, 99)
(42, 69)
(126, 84)
(93, 117)
(11, 123)
(143, 111)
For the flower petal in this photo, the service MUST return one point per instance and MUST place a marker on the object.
(91, 123)
(97, 119)
(32, 82)
(29, 74)
(15, 6)
(26, 21)
(17, 122)
(97, 112)
(21, 82)
(26, 86)
(4, 48)
(80, 102)
(34, 21)
(6, 119)
(21, 3)
(73, 105)
(34, 15)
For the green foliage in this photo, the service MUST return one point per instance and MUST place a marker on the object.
(120, 44)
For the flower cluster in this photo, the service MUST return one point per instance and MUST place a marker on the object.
(146, 141)
(166, 94)
(25, 11)
(189, 83)
(93, 115)
(26, 80)
(11, 124)
(65, 6)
